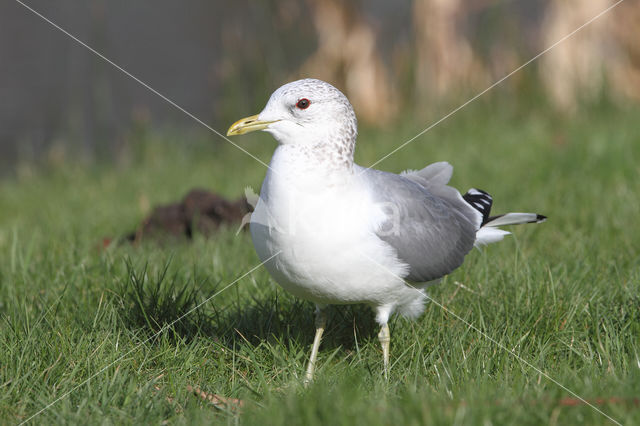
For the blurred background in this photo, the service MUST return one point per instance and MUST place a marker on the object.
(221, 60)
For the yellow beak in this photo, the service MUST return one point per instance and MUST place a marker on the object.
(248, 124)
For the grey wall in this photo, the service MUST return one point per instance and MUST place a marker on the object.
(50, 87)
(215, 58)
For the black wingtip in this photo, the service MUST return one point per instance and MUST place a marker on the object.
(481, 201)
(540, 218)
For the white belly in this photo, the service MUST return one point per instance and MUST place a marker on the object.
(325, 246)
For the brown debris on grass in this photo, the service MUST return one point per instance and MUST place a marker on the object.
(200, 211)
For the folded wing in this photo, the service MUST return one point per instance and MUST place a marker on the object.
(428, 223)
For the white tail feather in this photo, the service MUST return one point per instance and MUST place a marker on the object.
(487, 235)
(490, 233)
(514, 219)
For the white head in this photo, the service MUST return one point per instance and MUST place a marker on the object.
(306, 112)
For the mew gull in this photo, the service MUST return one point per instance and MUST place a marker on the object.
(347, 234)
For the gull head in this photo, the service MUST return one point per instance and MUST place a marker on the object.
(309, 112)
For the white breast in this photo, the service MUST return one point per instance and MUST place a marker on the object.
(323, 228)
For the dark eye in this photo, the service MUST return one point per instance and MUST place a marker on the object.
(303, 103)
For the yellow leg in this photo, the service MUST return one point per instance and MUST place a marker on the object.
(385, 339)
(321, 322)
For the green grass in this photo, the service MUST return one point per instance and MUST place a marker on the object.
(81, 323)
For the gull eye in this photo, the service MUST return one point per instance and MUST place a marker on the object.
(303, 103)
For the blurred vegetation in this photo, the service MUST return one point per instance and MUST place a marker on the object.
(219, 60)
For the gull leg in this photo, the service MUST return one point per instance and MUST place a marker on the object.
(321, 322)
(385, 339)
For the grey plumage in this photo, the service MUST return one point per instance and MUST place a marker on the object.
(431, 227)
(434, 174)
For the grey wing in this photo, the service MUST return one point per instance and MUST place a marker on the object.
(436, 174)
(431, 229)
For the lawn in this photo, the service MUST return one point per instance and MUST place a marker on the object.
(88, 332)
